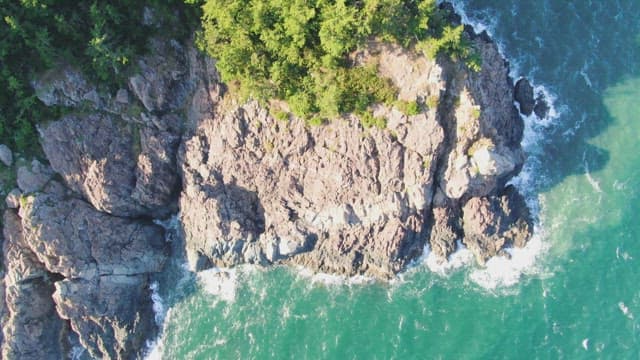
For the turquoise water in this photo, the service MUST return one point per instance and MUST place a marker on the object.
(579, 299)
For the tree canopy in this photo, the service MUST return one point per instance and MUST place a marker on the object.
(297, 50)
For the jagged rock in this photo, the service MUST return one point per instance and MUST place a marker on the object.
(13, 199)
(6, 156)
(445, 230)
(481, 110)
(162, 83)
(283, 186)
(523, 94)
(35, 178)
(113, 164)
(32, 329)
(112, 315)
(494, 222)
(73, 239)
(542, 108)
(65, 86)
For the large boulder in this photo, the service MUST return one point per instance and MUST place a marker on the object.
(523, 94)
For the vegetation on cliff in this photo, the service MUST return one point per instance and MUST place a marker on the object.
(298, 50)
(101, 38)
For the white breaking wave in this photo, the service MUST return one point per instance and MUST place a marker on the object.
(221, 282)
(154, 347)
(332, 279)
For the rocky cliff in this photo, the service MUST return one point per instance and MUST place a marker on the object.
(342, 198)
(80, 248)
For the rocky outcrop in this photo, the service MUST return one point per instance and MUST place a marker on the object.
(32, 329)
(85, 271)
(337, 198)
(120, 154)
(72, 239)
(340, 198)
(112, 315)
(258, 190)
(119, 167)
(523, 94)
(493, 222)
(530, 102)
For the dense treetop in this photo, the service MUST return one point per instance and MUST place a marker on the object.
(297, 50)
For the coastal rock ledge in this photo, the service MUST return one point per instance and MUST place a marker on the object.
(80, 246)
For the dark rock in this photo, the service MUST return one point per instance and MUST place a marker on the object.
(523, 94)
(445, 230)
(112, 315)
(542, 108)
(492, 223)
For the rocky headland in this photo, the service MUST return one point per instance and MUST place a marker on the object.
(80, 245)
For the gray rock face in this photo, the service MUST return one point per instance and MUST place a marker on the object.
(162, 84)
(112, 315)
(258, 190)
(32, 329)
(492, 222)
(67, 261)
(34, 178)
(65, 86)
(76, 241)
(6, 156)
(13, 199)
(115, 165)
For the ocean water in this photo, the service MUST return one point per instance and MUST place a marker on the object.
(573, 293)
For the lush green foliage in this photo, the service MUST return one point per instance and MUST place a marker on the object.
(408, 107)
(297, 50)
(35, 35)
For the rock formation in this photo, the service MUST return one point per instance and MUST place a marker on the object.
(80, 248)
(340, 198)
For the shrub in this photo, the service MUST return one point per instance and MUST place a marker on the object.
(367, 120)
(408, 107)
